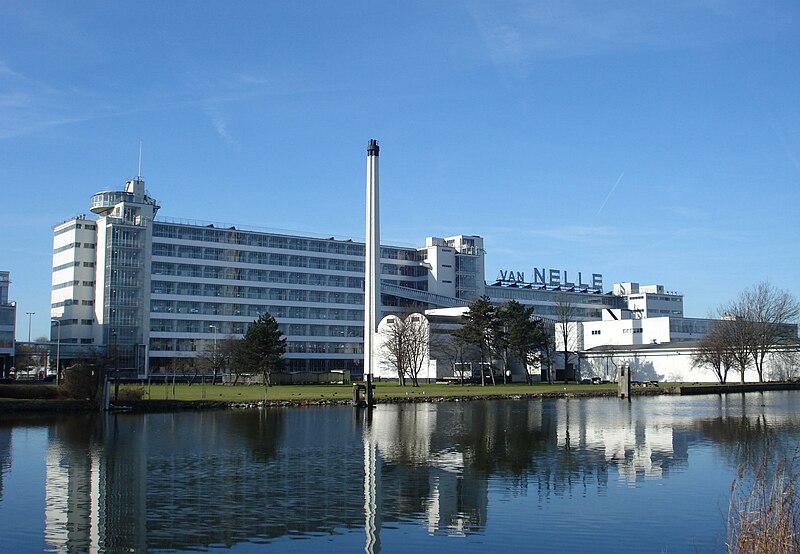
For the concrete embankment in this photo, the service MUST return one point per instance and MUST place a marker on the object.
(728, 389)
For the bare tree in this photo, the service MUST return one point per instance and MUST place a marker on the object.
(32, 356)
(566, 316)
(773, 313)
(759, 322)
(217, 356)
(452, 348)
(713, 353)
(735, 335)
(406, 345)
(549, 349)
(418, 339)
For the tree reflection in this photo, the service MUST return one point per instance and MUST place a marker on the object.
(190, 480)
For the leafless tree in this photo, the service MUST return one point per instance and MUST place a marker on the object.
(736, 337)
(549, 349)
(761, 320)
(32, 356)
(418, 342)
(713, 353)
(406, 345)
(566, 316)
(774, 313)
(217, 356)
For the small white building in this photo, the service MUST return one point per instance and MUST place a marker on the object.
(8, 317)
(671, 362)
(627, 327)
(650, 300)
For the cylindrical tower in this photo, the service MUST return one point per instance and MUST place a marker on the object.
(372, 265)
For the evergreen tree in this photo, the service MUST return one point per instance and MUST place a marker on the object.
(262, 348)
(523, 336)
(480, 328)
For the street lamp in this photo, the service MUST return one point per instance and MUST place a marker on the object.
(215, 353)
(30, 316)
(58, 349)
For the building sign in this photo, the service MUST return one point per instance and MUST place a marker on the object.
(552, 278)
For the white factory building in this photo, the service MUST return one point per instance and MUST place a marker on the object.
(154, 292)
(8, 316)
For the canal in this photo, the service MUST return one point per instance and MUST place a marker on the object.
(593, 475)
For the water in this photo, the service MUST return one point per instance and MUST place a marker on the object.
(588, 475)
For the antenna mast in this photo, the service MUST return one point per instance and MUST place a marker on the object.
(139, 172)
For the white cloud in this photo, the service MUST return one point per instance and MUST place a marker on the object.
(219, 122)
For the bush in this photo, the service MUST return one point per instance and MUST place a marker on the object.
(29, 392)
(80, 382)
(128, 395)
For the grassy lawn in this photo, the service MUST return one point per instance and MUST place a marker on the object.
(251, 393)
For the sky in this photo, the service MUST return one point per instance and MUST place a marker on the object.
(649, 141)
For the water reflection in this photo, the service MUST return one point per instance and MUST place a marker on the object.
(189, 481)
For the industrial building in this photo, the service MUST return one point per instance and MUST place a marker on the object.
(154, 292)
(8, 318)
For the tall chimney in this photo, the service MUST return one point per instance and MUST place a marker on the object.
(372, 266)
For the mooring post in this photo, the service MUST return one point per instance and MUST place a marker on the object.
(624, 382)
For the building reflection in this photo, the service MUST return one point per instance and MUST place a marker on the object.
(189, 481)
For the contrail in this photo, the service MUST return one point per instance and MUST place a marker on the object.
(603, 205)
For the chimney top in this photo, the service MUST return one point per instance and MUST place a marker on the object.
(372, 148)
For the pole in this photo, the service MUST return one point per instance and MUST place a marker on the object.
(216, 361)
(58, 350)
(30, 316)
(372, 265)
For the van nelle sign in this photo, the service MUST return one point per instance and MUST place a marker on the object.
(551, 278)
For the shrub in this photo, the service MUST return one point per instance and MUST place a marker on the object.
(29, 392)
(127, 395)
(80, 381)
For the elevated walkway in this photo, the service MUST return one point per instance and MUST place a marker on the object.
(433, 300)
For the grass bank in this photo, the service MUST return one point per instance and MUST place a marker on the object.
(384, 392)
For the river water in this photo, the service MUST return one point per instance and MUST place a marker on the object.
(575, 475)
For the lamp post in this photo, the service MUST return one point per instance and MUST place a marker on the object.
(30, 316)
(58, 349)
(216, 361)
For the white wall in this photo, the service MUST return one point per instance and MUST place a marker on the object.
(673, 365)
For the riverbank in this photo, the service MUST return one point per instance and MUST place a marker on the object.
(160, 398)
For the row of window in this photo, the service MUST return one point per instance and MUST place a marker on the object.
(224, 328)
(71, 302)
(254, 310)
(89, 226)
(72, 264)
(632, 331)
(196, 345)
(576, 298)
(72, 245)
(264, 258)
(256, 275)
(266, 240)
(73, 284)
(260, 293)
(65, 322)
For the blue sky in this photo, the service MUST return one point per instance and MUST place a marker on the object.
(649, 141)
